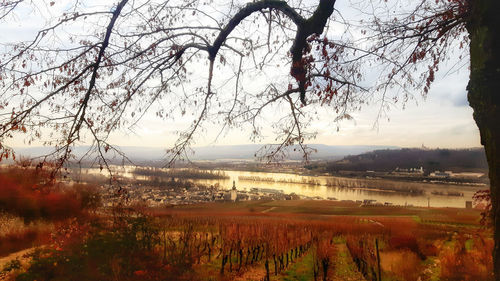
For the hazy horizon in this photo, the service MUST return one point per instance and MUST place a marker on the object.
(226, 152)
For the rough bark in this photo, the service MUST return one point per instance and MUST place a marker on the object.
(484, 98)
(312, 26)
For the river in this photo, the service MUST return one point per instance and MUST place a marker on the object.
(292, 183)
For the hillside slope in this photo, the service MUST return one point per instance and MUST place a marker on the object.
(457, 160)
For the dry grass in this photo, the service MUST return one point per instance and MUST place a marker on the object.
(460, 263)
(405, 265)
(15, 235)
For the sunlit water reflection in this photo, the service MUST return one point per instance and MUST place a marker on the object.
(289, 183)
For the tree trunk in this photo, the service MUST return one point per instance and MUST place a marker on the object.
(325, 263)
(484, 98)
(266, 265)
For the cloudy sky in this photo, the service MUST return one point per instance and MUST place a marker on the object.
(442, 119)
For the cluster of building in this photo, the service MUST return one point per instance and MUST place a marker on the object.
(450, 174)
(436, 174)
(410, 171)
(154, 196)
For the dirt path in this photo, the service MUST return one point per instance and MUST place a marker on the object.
(345, 269)
(254, 273)
(268, 210)
(19, 255)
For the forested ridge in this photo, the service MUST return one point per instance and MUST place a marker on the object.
(457, 160)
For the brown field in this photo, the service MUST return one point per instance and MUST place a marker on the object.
(268, 240)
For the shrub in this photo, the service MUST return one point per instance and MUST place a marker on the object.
(408, 267)
(458, 263)
(406, 242)
(29, 194)
(12, 265)
(15, 235)
(100, 252)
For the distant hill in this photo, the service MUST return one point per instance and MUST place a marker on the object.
(221, 152)
(456, 160)
(323, 152)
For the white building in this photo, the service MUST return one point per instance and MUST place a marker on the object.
(234, 193)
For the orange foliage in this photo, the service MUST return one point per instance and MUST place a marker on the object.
(406, 242)
(460, 263)
(407, 267)
(16, 241)
(30, 194)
